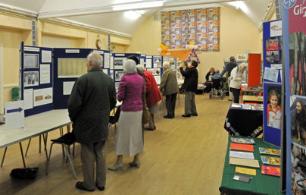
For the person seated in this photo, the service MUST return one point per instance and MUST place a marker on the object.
(208, 78)
(216, 80)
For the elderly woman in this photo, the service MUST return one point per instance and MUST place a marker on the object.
(152, 95)
(169, 88)
(129, 138)
(235, 80)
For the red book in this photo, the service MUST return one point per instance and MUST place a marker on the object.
(242, 147)
(270, 170)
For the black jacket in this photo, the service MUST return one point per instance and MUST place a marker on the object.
(228, 68)
(191, 79)
(92, 97)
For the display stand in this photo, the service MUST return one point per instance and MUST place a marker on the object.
(272, 32)
(36, 73)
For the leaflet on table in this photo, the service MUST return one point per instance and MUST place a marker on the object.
(270, 170)
(244, 162)
(235, 105)
(247, 171)
(242, 140)
(242, 147)
(268, 160)
(14, 114)
(270, 151)
(244, 155)
(246, 106)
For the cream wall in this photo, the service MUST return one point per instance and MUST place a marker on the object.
(13, 30)
(238, 35)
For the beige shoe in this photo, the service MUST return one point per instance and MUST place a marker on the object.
(116, 167)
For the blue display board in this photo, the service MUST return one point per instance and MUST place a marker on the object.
(36, 73)
(272, 81)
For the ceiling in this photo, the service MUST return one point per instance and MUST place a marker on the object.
(100, 13)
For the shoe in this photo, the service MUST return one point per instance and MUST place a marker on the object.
(101, 188)
(116, 167)
(186, 115)
(134, 164)
(167, 116)
(196, 114)
(80, 185)
(150, 128)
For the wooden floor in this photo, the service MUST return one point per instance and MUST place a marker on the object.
(183, 156)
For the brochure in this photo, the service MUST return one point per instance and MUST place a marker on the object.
(269, 151)
(244, 162)
(242, 147)
(270, 170)
(245, 155)
(268, 160)
(241, 140)
(247, 171)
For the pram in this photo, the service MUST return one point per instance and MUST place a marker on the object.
(217, 88)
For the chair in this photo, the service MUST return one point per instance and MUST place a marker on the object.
(66, 141)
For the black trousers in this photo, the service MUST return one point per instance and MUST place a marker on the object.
(236, 94)
(170, 104)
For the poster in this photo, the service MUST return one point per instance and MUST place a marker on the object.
(149, 62)
(276, 28)
(30, 78)
(28, 99)
(46, 56)
(43, 96)
(67, 87)
(118, 63)
(30, 60)
(118, 75)
(45, 74)
(271, 74)
(106, 60)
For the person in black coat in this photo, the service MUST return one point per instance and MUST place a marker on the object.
(191, 87)
(92, 97)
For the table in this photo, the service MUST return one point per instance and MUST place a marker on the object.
(259, 184)
(35, 125)
(242, 120)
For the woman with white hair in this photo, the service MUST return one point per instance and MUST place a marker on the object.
(129, 138)
(235, 81)
(169, 88)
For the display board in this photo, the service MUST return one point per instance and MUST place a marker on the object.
(272, 78)
(36, 73)
(69, 65)
(294, 41)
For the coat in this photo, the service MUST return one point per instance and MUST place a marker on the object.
(92, 97)
(168, 84)
(191, 79)
(235, 78)
(130, 92)
(152, 92)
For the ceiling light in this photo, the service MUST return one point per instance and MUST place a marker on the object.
(125, 1)
(138, 5)
(133, 15)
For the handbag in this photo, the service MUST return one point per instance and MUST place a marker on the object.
(24, 173)
(145, 115)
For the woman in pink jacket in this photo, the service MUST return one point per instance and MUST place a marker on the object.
(129, 138)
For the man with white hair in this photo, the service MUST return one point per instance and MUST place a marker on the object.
(169, 88)
(92, 97)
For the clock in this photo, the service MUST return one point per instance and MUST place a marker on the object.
(98, 44)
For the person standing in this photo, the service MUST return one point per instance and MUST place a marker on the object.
(191, 86)
(92, 97)
(129, 138)
(235, 81)
(169, 88)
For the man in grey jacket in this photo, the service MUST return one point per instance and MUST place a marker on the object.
(92, 97)
(169, 88)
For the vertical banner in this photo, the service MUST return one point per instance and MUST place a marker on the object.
(272, 77)
(295, 66)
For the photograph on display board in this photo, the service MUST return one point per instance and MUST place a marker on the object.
(273, 44)
(118, 63)
(274, 108)
(30, 60)
(118, 75)
(30, 78)
(297, 62)
(298, 119)
(273, 57)
(298, 176)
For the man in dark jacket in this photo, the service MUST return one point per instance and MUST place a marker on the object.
(191, 86)
(92, 97)
(229, 67)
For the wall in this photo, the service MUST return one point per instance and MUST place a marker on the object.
(13, 30)
(238, 35)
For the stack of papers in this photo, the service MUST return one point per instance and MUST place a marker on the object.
(245, 155)
(244, 162)
(269, 151)
(246, 171)
(242, 147)
(267, 160)
(241, 140)
(270, 170)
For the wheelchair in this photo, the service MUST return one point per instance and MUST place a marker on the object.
(217, 89)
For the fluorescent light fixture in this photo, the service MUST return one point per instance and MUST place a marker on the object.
(141, 5)
(125, 1)
(241, 5)
(133, 15)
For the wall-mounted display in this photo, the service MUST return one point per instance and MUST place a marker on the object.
(191, 27)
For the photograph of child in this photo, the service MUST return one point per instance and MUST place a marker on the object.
(274, 111)
(298, 120)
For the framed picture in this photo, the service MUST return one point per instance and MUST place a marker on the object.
(118, 75)
(30, 60)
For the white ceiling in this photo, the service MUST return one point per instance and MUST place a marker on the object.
(99, 13)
